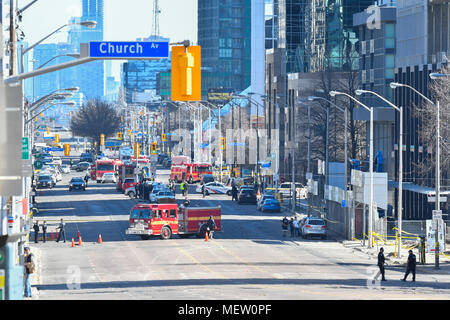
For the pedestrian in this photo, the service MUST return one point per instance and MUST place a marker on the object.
(284, 226)
(44, 230)
(296, 227)
(36, 231)
(86, 178)
(29, 266)
(291, 227)
(62, 231)
(410, 266)
(234, 193)
(182, 187)
(210, 225)
(203, 189)
(381, 261)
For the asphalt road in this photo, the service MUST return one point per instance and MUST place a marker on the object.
(248, 260)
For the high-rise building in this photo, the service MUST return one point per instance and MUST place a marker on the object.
(92, 74)
(224, 31)
(139, 77)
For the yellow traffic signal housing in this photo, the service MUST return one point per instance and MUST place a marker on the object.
(102, 140)
(48, 130)
(163, 137)
(186, 73)
(222, 142)
(119, 135)
(56, 138)
(154, 148)
(136, 151)
(67, 149)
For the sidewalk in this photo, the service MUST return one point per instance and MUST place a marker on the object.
(392, 261)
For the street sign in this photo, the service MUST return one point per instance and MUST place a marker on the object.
(128, 50)
(38, 164)
(25, 148)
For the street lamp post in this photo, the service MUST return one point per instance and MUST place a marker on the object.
(89, 24)
(400, 167)
(395, 85)
(370, 235)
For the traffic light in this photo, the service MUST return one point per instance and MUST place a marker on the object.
(163, 137)
(154, 148)
(136, 151)
(56, 138)
(129, 132)
(35, 119)
(48, 130)
(119, 135)
(67, 149)
(102, 139)
(222, 142)
(186, 73)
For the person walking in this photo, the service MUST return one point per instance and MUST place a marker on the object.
(86, 178)
(62, 231)
(296, 227)
(410, 266)
(291, 227)
(210, 225)
(234, 193)
(36, 231)
(381, 261)
(44, 230)
(203, 189)
(284, 226)
(29, 266)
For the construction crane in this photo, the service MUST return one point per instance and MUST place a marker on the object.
(156, 13)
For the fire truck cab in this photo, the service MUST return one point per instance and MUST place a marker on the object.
(165, 220)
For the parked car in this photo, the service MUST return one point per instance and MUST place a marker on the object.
(82, 166)
(207, 178)
(129, 182)
(247, 196)
(165, 197)
(214, 188)
(156, 189)
(130, 191)
(261, 200)
(313, 226)
(109, 177)
(271, 204)
(65, 168)
(77, 183)
(286, 189)
(45, 181)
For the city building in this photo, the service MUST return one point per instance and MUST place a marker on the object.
(420, 51)
(139, 78)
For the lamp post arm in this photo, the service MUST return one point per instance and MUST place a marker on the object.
(419, 93)
(356, 100)
(384, 99)
(42, 40)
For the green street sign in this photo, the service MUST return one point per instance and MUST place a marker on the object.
(25, 149)
(38, 164)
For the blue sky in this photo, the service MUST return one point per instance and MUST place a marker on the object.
(124, 20)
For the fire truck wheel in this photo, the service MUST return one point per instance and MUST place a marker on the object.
(166, 233)
(131, 194)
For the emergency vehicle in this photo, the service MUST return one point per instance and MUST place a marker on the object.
(192, 172)
(165, 220)
(125, 171)
(102, 166)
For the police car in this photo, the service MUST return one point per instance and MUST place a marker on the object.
(214, 188)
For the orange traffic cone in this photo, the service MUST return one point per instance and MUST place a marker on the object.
(73, 243)
(206, 236)
(80, 242)
(100, 239)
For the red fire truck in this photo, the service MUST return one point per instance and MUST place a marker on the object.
(101, 167)
(165, 220)
(125, 173)
(192, 172)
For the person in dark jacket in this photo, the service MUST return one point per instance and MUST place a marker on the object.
(410, 266)
(291, 227)
(210, 225)
(203, 190)
(44, 230)
(284, 226)
(62, 231)
(36, 231)
(381, 261)
(234, 193)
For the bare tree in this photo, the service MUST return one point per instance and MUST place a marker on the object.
(425, 114)
(95, 118)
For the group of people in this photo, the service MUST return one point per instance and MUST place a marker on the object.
(410, 265)
(61, 232)
(293, 225)
(144, 189)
